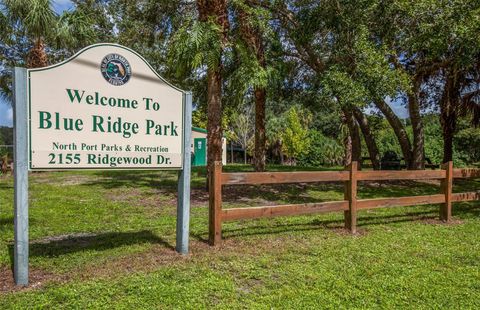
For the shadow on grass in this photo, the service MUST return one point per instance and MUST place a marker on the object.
(363, 221)
(465, 185)
(374, 189)
(284, 193)
(61, 245)
(460, 210)
(6, 221)
(4, 185)
(168, 179)
(289, 193)
(153, 179)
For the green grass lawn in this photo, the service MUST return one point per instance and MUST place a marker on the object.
(105, 239)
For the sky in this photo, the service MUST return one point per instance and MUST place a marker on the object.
(61, 5)
(6, 113)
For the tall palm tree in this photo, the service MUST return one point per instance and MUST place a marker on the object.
(31, 25)
(36, 19)
(215, 11)
(252, 37)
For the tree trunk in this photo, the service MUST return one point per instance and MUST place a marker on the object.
(252, 37)
(214, 121)
(448, 131)
(215, 10)
(369, 138)
(398, 129)
(418, 151)
(347, 141)
(354, 135)
(260, 137)
(448, 116)
(37, 57)
(245, 156)
(282, 157)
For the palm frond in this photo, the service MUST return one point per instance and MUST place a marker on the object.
(36, 16)
(6, 92)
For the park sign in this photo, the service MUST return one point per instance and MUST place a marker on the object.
(104, 108)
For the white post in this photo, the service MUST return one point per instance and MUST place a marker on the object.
(183, 204)
(20, 124)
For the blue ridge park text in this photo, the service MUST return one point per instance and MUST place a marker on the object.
(48, 120)
(107, 124)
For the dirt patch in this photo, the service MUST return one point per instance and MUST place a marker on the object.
(199, 196)
(431, 221)
(37, 278)
(74, 180)
(155, 257)
(72, 238)
(345, 232)
(137, 197)
(404, 183)
(42, 177)
(149, 260)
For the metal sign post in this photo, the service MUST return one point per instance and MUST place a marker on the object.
(20, 253)
(183, 200)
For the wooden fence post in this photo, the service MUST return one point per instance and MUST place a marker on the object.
(351, 196)
(446, 187)
(215, 204)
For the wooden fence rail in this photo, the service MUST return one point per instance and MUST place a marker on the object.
(350, 176)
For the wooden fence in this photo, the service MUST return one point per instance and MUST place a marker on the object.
(350, 176)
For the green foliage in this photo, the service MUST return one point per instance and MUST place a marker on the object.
(295, 137)
(25, 22)
(384, 135)
(194, 45)
(6, 134)
(250, 74)
(199, 119)
(373, 69)
(322, 151)
(2, 150)
(274, 127)
(340, 86)
(6, 138)
(433, 138)
(467, 146)
(36, 17)
(74, 30)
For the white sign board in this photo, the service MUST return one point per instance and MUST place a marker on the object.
(104, 108)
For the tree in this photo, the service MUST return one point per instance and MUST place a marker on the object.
(213, 14)
(340, 46)
(370, 140)
(444, 47)
(295, 137)
(322, 151)
(28, 27)
(243, 130)
(252, 36)
(36, 18)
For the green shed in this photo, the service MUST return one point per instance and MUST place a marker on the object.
(199, 147)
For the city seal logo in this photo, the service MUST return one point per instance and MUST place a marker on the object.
(116, 69)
